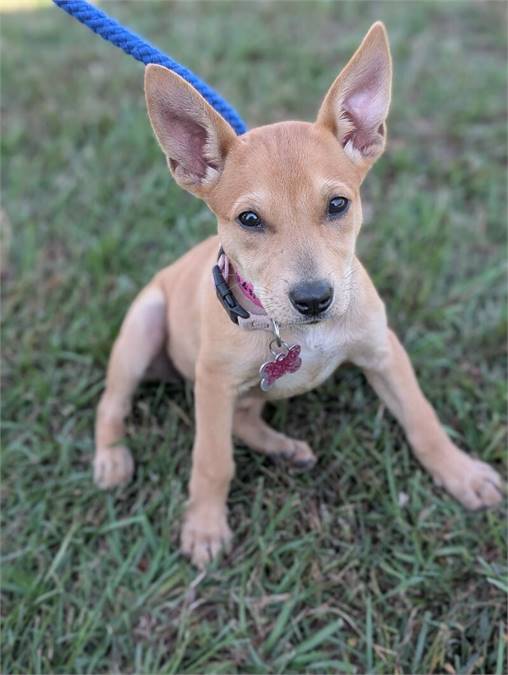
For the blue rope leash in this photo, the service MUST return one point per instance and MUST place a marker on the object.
(112, 31)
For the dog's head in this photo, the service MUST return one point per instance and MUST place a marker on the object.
(286, 195)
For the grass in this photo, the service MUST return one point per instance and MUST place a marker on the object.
(360, 565)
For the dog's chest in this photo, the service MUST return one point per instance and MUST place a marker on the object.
(322, 351)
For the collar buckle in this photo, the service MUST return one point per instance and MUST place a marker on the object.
(226, 297)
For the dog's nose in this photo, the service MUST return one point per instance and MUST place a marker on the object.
(311, 297)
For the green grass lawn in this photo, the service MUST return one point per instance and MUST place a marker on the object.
(361, 565)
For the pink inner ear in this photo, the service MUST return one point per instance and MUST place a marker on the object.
(366, 108)
(188, 140)
(365, 105)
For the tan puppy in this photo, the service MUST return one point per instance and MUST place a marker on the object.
(287, 202)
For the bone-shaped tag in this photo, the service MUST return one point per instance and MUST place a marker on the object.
(282, 364)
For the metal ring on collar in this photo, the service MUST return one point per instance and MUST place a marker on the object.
(276, 332)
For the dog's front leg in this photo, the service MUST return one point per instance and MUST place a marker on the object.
(205, 530)
(469, 480)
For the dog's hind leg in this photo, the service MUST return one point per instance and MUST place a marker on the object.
(252, 430)
(139, 343)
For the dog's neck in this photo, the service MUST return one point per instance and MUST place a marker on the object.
(252, 316)
(233, 277)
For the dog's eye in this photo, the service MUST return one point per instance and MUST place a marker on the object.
(250, 219)
(337, 206)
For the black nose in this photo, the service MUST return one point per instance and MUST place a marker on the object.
(311, 297)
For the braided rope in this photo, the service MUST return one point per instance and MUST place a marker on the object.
(112, 31)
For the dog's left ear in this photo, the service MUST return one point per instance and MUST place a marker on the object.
(356, 105)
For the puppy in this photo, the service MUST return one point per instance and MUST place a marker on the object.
(271, 306)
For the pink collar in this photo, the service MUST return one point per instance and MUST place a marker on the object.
(286, 359)
(248, 290)
(255, 320)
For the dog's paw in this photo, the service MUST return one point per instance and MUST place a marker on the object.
(297, 453)
(112, 467)
(472, 482)
(205, 533)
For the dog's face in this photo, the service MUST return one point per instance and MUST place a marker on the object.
(286, 195)
(288, 209)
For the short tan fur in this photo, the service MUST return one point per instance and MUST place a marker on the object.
(287, 173)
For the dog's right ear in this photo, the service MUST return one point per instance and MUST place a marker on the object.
(193, 136)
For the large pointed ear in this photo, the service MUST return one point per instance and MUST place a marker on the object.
(194, 137)
(356, 105)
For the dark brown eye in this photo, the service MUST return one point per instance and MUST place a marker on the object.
(250, 219)
(337, 206)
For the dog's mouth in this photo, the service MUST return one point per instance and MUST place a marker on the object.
(335, 312)
(311, 321)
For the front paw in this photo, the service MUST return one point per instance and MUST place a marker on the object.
(205, 532)
(472, 482)
(297, 453)
(112, 467)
